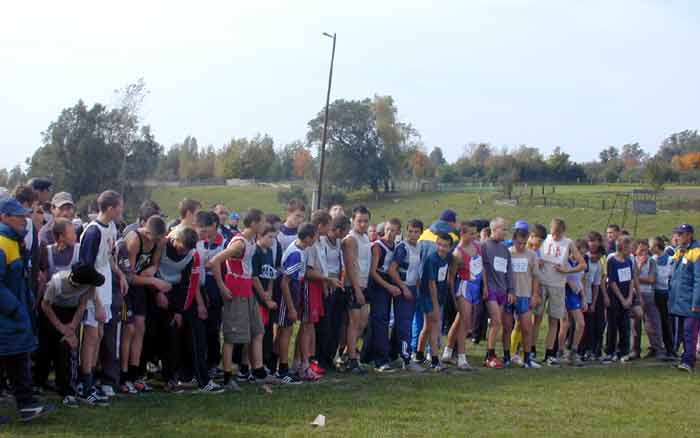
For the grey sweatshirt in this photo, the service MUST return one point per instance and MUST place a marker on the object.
(497, 266)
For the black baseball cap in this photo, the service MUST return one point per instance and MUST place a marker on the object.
(85, 274)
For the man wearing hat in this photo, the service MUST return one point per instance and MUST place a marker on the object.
(17, 338)
(62, 206)
(684, 294)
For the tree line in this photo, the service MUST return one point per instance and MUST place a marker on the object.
(89, 149)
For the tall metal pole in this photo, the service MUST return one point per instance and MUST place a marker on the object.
(325, 128)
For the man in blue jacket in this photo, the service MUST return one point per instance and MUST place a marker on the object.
(17, 339)
(684, 296)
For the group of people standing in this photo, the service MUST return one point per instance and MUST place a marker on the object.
(201, 302)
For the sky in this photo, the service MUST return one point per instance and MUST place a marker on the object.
(581, 74)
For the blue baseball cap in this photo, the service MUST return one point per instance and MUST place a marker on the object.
(12, 207)
(521, 225)
(234, 216)
(684, 228)
(448, 216)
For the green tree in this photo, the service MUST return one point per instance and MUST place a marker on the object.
(436, 156)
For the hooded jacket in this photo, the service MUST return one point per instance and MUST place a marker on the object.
(16, 300)
(684, 294)
(427, 240)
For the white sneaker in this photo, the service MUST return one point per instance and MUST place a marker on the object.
(532, 365)
(516, 359)
(211, 388)
(464, 366)
(108, 390)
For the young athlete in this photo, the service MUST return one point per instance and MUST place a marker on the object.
(498, 291)
(296, 210)
(381, 292)
(62, 206)
(526, 279)
(469, 266)
(664, 269)
(264, 276)
(188, 209)
(291, 299)
(404, 271)
(96, 247)
(357, 254)
(241, 316)
(647, 270)
(436, 288)
(595, 315)
(63, 304)
(556, 251)
(622, 283)
(143, 247)
(183, 329)
(576, 304)
(211, 242)
(328, 329)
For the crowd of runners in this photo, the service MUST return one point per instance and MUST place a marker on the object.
(212, 301)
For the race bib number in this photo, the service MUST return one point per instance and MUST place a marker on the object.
(442, 274)
(685, 261)
(475, 267)
(500, 264)
(624, 274)
(520, 265)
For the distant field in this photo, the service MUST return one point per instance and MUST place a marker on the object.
(427, 206)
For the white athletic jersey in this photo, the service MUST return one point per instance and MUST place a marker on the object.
(363, 257)
(554, 252)
(247, 260)
(108, 238)
(334, 256)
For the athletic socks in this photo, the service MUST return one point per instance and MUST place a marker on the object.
(506, 355)
(133, 373)
(420, 356)
(259, 373)
(244, 369)
(283, 369)
(534, 351)
(227, 377)
(491, 352)
(549, 353)
(447, 353)
(124, 377)
(461, 359)
(435, 361)
(528, 358)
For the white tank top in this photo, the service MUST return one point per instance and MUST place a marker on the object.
(108, 238)
(364, 256)
(53, 267)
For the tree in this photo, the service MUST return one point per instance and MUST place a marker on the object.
(79, 152)
(436, 157)
(303, 164)
(4, 177)
(679, 144)
(657, 172)
(421, 165)
(632, 155)
(15, 177)
(354, 145)
(609, 154)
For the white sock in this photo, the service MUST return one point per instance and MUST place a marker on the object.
(461, 359)
(447, 354)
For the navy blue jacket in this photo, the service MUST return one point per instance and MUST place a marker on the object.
(16, 300)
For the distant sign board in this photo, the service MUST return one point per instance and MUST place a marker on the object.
(642, 206)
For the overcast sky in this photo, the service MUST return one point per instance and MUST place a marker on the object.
(579, 74)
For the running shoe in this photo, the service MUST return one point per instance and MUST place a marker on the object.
(493, 363)
(211, 388)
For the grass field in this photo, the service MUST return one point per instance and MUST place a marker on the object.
(643, 398)
(427, 206)
(638, 399)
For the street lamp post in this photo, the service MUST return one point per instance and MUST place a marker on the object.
(319, 191)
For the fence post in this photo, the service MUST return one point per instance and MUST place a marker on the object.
(603, 204)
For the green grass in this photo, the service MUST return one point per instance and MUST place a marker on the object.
(427, 206)
(637, 399)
